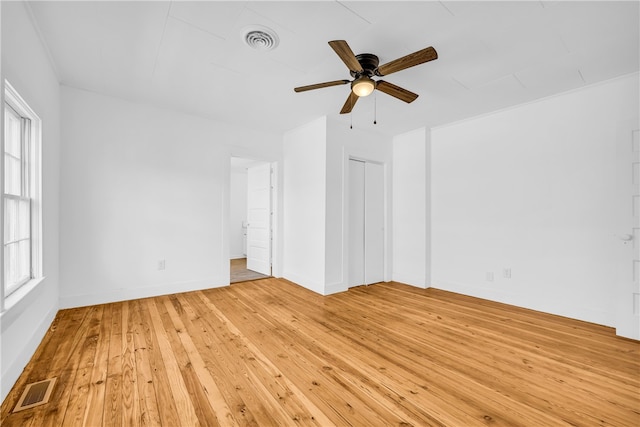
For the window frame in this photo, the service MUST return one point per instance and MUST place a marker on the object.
(31, 186)
(24, 195)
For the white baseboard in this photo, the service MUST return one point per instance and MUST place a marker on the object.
(334, 288)
(304, 282)
(418, 282)
(129, 293)
(541, 303)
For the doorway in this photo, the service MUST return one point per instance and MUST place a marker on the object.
(366, 222)
(250, 220)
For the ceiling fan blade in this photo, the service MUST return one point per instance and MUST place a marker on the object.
(351, 101)
(396, 91)
(321, 85)
(408, 61)
(346, 54)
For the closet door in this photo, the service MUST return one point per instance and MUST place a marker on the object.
(373, 223)
(356, 223)
(366, 223)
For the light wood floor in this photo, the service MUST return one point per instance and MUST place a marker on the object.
(240, 273)
(270, 353)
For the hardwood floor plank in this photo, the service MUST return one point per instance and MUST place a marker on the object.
(181, 396)
(254, 354)
(65, 364)
(147, 402)
(374, 367)
(94, 408)
(167, 410)
(489, 370)
(214, 397)
(270, 352)
(196, 393)
(112, 412)
(553, 335)
(325, 380)
(129, 402)
(339, 354)
(225, 362)
(498, 337)
(79, 390)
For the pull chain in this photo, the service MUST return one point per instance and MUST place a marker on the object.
(351, 114)
(375, 108)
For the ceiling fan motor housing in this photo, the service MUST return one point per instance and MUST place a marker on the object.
(369, 63)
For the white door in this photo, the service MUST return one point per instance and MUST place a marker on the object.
(627, 295)
(356, 223)
(366, 223)
(259, 219)
(373, 223)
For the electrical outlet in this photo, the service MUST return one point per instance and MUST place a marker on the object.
(506, 273)
(161, 264)
(489, 276)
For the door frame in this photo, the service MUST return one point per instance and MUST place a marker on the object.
(276, 221)
(348, 155)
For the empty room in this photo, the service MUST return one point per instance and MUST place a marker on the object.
(320, 213)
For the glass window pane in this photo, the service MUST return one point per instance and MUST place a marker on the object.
(13, 125)
(24, 219)
(24, 260)
(10, 265)
(13, 175)
(17, 264)
(17, 222)
(10, 219)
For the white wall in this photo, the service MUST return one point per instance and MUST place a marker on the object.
(411, 211)
(304, 175)
(344, 143)
(237, 213)
(531, 189)
(316, 165)
(315, 200)
(139, 185)
(25, 65)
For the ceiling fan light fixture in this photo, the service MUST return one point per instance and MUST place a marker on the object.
(363, 86)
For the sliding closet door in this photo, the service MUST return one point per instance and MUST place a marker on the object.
(373, 223)
(356, 223)
(366, 223)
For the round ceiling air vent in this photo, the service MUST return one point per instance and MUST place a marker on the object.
(260, 38)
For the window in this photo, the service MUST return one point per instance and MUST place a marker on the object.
(21, 194)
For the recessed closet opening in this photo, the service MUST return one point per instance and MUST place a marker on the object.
(366, 216)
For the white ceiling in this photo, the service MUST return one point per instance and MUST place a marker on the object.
(241, 164)
(190, 56)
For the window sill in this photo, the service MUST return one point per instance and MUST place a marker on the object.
(16, 303)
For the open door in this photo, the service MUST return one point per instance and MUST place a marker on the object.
(627, 294)
(259, 219)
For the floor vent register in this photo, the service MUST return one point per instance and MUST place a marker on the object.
(35, 394)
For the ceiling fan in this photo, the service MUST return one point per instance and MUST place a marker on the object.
(364, 66)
